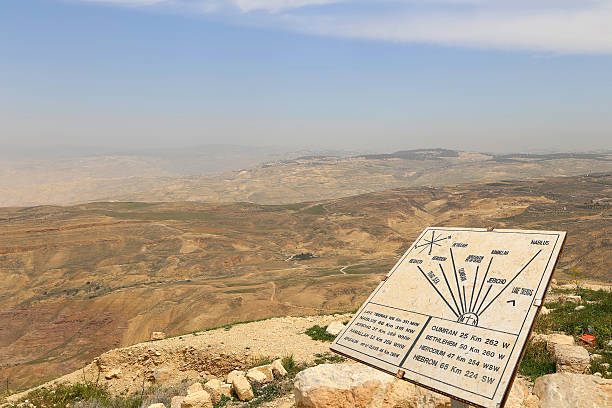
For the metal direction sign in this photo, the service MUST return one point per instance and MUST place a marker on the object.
(455, 312)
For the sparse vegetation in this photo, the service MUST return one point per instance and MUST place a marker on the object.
(261, 360)
(317, 332)
(594, 319)
(536, 361)
(328, 358)
(86, 394)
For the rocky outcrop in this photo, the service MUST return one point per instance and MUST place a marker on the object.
(358, 386)
(571, 359)
(567, 390)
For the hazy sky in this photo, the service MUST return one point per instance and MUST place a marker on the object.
(354, 74)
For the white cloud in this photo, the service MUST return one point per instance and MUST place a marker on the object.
(564, 26)
(275, 6)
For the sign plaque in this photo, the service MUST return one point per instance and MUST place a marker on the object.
(454, 314)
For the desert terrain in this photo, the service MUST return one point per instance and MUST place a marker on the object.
(79, 280)
(213, 174)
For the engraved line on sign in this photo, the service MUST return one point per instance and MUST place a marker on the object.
(450, 290)
(473, 288)
(482, 283)
(457, 280)
(415, 340)
(512, 280)
(483, 300)
(436, 289)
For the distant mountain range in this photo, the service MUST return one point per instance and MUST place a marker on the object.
(264, 176)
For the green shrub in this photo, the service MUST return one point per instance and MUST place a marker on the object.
(317, 332)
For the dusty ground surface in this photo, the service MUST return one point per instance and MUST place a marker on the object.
(202, 355)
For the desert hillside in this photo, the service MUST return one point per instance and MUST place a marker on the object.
(285, 362)
(80, 280)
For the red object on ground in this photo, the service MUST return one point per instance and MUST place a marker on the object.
(588, 338)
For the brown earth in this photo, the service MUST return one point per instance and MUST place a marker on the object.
(77, 281)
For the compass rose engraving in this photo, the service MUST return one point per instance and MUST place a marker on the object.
(429, 243)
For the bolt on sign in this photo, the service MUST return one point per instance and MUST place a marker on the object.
(454, 314)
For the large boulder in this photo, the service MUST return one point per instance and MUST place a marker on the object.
(358, 386)
(335, 328)
(571, 359)
(200, 399)
(567, 390)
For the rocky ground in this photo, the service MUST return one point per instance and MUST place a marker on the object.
(275, 364)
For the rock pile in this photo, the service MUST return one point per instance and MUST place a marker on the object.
(214, 390)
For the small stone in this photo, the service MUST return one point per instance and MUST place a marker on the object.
(114, 373)
(158, 405)
(262, 374)
(158, 336)
(230, 377)
(256, 376)
(278, 369)
(162, 375)
(226, 389)
(213, 387)
(555, 339)
(195, 387)
(595, 357)
(242, 387)
(597, 374)
(581, 307)
(544, 311)
(335, 328)
(176, 402)
(200, 399)
(573, 298)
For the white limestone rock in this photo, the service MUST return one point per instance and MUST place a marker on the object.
(567, 390)
(335, 328)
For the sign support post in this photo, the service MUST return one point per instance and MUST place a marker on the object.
(458, 404)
